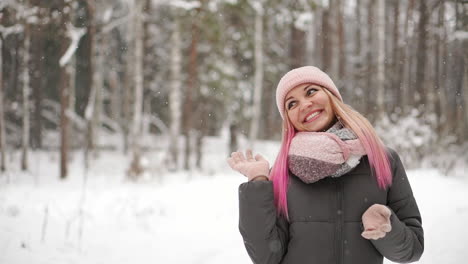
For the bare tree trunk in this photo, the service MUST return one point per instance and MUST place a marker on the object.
(421, 54)
(115, 95)
(326, 43)
(37, 80)
(297, 44)
(334, 39)
(341, 44)
(358, 61)
(311, 36)
(464, 80)
(319, 38)
(64, 101)
(440, 96)
(257, 98)
(369, 105)
(380, 57)
(175, 95)
(26, 88)
(2, 115)
(72, 96)
(396, 80)
(459, 76)
(127, 96)
(405, 69)
(89, 111)
(233, 142)
(136, 170)
(97, 86)
(461, 79)
(189, 92)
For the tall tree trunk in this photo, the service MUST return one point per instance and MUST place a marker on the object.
(334, 40)
(136, 170)
(326, 43)
(97, 86)
(91, 61)
(26, 88)
(446, 124)
(257, 98)
(461, 78)
(395, 79)
(319, 38)
(464, 84)
(440, 96)
(2, 115)
(297, 44)
(175, 95)
(189, 93)
(115, 90)
(459, 65)
(72, 96)
(380, 57)
(405, 69)
(64, 101)
(128, 85)
(311, 37)
(37, 80)
(421, 54)
(358, 61)
(341, 44)
(370, 62)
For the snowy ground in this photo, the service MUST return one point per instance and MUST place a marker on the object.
(175, 218)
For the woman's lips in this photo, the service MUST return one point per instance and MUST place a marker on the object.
(313, 118)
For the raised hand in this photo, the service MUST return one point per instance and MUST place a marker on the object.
(248, 165)
(376, 222)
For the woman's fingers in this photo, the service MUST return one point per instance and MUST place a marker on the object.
(259, 157)
(231, 162)
(249, 156)
(236, 157)
(374, 234)
(383, 210)
(386, 228)
(239, 156)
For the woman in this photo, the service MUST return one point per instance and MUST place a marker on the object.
(335, 194)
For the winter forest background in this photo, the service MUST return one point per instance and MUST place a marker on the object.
(116, 117)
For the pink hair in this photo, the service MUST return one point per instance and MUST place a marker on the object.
(375, 149)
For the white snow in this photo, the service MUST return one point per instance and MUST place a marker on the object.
(170, 217)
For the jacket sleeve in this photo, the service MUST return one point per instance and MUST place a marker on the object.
(405, 242)
(265, 235)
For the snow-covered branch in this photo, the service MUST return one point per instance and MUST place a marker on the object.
(75, 35)
(5, 31)
(115, 23)
(187, 5)
(459, 35)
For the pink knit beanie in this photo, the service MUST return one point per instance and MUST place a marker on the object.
(306, 74)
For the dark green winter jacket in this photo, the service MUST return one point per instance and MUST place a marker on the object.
(325, 220)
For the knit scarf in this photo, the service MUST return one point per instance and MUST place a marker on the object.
(316, 155)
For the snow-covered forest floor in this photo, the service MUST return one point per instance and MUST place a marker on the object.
(170, 217)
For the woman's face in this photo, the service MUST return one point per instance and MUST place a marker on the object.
(309, 108)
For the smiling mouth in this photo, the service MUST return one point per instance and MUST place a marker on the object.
(311, 117)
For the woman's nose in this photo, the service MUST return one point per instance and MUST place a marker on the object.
(305, 104)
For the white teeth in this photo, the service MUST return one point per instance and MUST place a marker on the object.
(312, 116)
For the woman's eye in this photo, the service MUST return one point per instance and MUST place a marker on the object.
(311, 91)
(291, 104)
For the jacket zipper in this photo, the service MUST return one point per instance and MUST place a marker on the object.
(339, 241)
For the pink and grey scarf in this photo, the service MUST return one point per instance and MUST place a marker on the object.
(315, 155)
